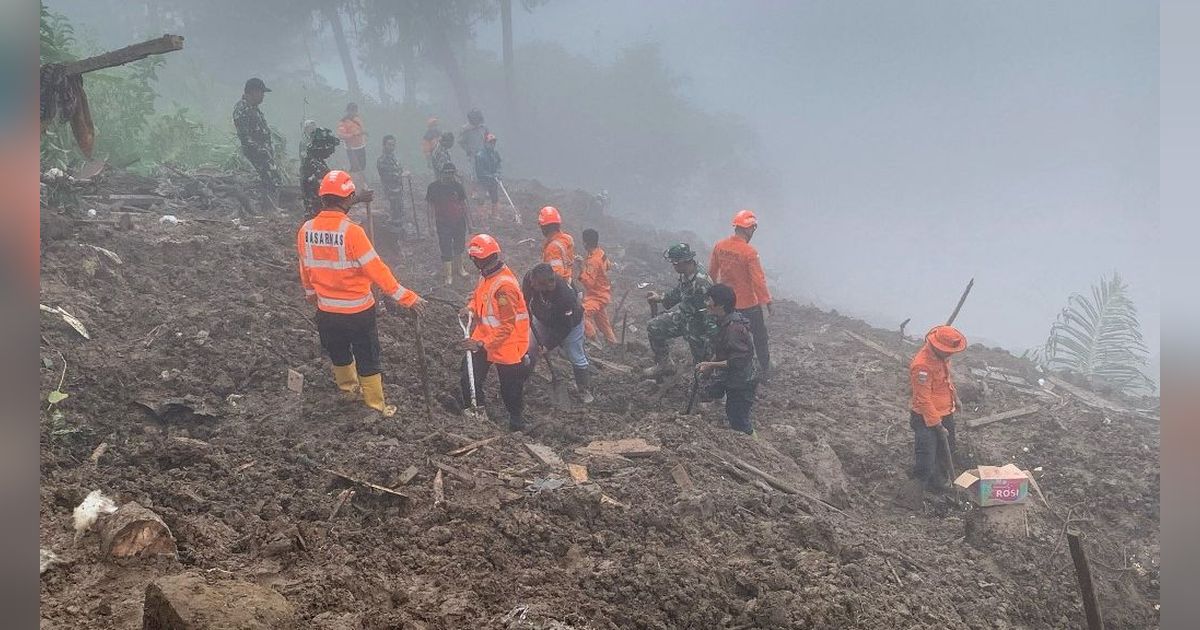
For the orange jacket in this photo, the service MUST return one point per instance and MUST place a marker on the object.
(597, 290)
(559, 251)
(932, 389)
(338, 265)
(735, 262)
(501, 318)
(350, 130)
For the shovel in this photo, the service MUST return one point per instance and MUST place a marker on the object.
(465, 325)
(559, 397)
(516, 215)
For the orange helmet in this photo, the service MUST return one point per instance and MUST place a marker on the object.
(549, 216)
(745, 219)
(431, 122)
(336, 183)
(947, 339)
(482, 246)
(489, 138)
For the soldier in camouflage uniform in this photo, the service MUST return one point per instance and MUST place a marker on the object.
(392, 178)
(686, 312)
(321, 145)
(441, 154)
(255, 136)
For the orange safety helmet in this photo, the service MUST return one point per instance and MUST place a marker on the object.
(745, 219)
(431, 122)
(489, 138)
(947, 339)
(549, 216)
(336, 183)
(482, 245)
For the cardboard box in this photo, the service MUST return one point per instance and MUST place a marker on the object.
(996, 485)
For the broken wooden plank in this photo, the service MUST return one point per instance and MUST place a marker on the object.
(609, 365)
(1093, 400)
(1006, 415)
(462, 450)
(781, 485)
(607, 500)
(680, 475)
(1000, 376)
(98, 453)
(629, 447)
(457, 473)
(579, 472)
(546, 455)
(343, 497)
(122, 56)
(243, 467)
(874, 346)
(407, 476)
(439, 493)
(363, 482)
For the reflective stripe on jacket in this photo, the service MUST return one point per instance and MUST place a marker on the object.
(559, 252)
(501, 317)
(338, 265)
(932, 389)
(735, 263)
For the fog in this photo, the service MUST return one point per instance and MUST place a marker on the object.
(891, 150)
(920, 144)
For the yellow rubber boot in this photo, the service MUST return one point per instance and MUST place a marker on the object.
(372, 391)
(346, 377)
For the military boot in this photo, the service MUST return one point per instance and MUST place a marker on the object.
(583, 382)
(663, 366)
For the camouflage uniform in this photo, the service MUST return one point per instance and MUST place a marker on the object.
(390, 174)
(690, 321)
(313, 168)
(255, 136)
(440, 156)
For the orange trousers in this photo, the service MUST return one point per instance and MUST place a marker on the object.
(595, 316)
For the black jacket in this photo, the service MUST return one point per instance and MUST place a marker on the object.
(559, 313)
(735, 343)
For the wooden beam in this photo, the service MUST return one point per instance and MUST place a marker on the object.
(1087, 588)
(546, 455)
(874, 346)
(122, 56)
(1006, 415)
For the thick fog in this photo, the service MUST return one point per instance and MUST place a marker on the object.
(919, 144)
(891, 150)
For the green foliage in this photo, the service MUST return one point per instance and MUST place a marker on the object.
(1100, 337)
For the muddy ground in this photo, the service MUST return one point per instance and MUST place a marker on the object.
(193, 330)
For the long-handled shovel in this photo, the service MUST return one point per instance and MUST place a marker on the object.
(412, 201)
(516, 215)
(465, 325)
(425, 370)
(559, 397)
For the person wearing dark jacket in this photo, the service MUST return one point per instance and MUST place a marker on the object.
(732, 366)
(557, 320)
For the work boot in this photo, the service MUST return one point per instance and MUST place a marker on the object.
(583, 383)
(516, 423)
(663, 366)
(448, 271)
(346, 377)
(372, 391)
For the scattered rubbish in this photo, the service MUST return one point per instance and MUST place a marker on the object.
(295, 381)
(1025, 449)
(545, 483)
(107, 252)
(46, 559)
(67, 317)
(169, 219)
(201, 338)
(629, 447)
(91, 213)
(89, 511)
(1038, 469)
(992, 485)
(579, 473)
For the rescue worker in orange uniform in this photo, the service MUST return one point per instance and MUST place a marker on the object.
(933, 405)
(597, 290)
(559, 248)
(734, 262)
(338, 264)
(501, 330)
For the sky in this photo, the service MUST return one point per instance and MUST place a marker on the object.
(920, 144)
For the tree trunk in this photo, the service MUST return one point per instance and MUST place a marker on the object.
(444, 56)
(509, 88)
(339, 37)
(134, 531)
(408, 63)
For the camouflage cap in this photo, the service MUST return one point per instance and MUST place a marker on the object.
(679, 252)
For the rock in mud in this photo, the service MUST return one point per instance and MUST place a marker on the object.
(189, 602)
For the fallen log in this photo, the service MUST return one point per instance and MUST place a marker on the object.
(874, 346)
(135, 532)
(128, 54)
(1007, 415)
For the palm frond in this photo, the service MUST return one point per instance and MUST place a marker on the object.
(1100, 337)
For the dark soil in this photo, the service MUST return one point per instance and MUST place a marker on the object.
(192, 334)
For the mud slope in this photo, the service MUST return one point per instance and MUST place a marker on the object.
(194, 328)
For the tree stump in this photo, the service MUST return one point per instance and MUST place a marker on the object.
(135, 532)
